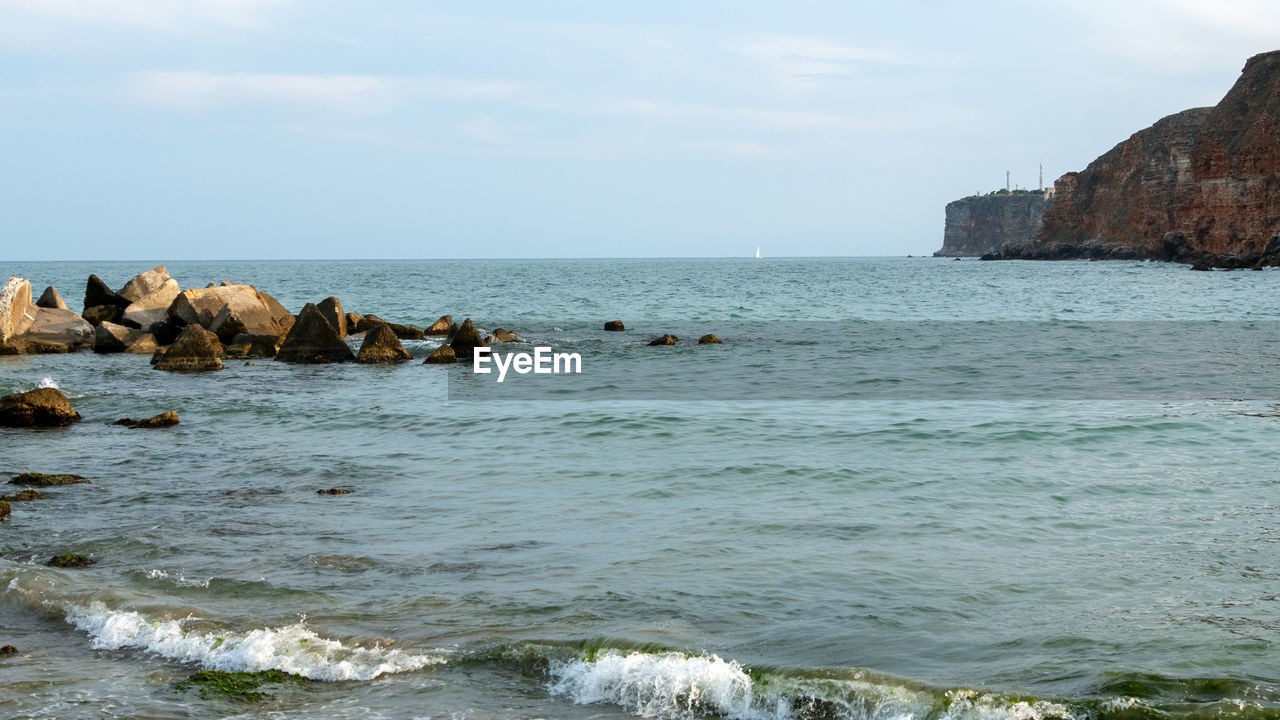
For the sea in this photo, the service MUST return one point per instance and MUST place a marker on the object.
(899, 489)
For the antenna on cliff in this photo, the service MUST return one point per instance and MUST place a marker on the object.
(1041, 177)
(1006, 180)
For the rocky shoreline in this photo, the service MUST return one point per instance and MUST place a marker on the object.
(197, 330)
(1200, 187)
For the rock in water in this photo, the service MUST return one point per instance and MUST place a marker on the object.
(47, 480)
(382, 346)
(113, 338)
(313, 340)
(53, 331)
(466, 340)
(614, 326)
(70, 560)
(404, 332)
(143, 284)
(253, 346)
(229, 310)
(52, 300)
(504, 336)
(97, 294)
(5, 509)
(664, 340)
(353, 322)
(709, 339)
(440, 327)
(163, 420)
(442, 355)
(42, 407)
(17, 311)
(150, 295)
(331, 308)
(195, 350)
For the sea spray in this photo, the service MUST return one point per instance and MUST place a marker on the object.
(294, 649)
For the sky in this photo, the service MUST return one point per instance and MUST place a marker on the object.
(258, 129)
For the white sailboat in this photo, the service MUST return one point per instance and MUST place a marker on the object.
(757, 252)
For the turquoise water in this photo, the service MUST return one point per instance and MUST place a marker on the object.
(961, 522)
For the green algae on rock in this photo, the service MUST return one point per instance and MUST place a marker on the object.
(237, 685)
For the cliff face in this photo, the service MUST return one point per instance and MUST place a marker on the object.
(1201, 186)
(982, 224)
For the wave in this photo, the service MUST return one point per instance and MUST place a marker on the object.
(663, 684)
(295, 649)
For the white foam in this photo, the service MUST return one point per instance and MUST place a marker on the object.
(293, 648)
(676, 686)
(666, 685)
(47, 382)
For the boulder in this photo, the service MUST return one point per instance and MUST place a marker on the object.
(331, 308)
(195, 350)
(709, 339)
(146, 344)
(504, 336)
(97, 294)
(382, 346)
(404, 332)
(440, 327)
(152, 307)
(466, 340)
(453, 333)
(247, 310)
(5, 509)
(246, 346)
(144, 284)
(614, 326)
(17, 310)
(664, 340)
(54, 331)
(42, 407)
(442, 355)
(353, 321)
(8, 651)
(164, 331)
(113, 338)
(27, 495)
(163, 420)
(52, 300)
(313, 340)
(98, 314)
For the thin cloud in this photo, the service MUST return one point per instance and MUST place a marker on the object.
(356, 94)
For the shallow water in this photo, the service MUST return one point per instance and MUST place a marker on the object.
(876, 500)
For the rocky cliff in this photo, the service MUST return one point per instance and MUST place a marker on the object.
(1201, 186)
(981, 224)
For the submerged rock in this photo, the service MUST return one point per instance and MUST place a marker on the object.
(46, 480)
(70, 560)
(5, 509)
(614, 326)
(27, 495)
(52, 300)
(8, 651)
(163, 420)
(466, 340)
(382, 346)
(440, 327)
(195, 350)
(664, 340)
(313, 340)
(710, 339)
(333, 491)
(42, 407)
(503, 336)
(442, 356)
(237, 685)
